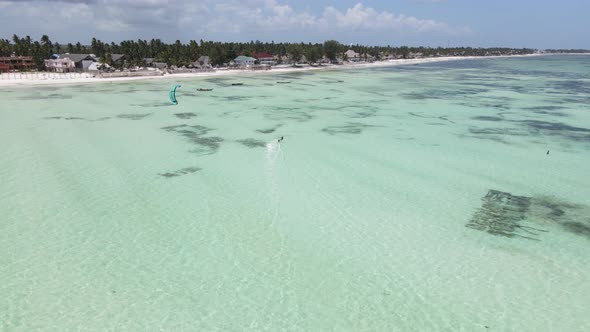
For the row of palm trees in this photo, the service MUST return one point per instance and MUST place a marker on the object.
(179, 53)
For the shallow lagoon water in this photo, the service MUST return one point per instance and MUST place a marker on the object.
(403, 198)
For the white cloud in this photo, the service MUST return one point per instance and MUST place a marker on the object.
(226, 19)
(361, 17)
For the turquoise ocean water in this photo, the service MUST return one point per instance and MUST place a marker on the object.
(450, 196)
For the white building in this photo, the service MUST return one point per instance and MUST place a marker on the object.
(60, 65)
(244, 61)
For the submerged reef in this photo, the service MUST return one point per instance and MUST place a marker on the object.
(133, 116)
(183, 171)
(196, 135)
(252, 143)
(504, 214)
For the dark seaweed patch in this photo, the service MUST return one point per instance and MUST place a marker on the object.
(196, 128)
(552, 113)
(133, 116)
(157, 104)
(536, 128)
(442, 94)
(544, 108)
(351, 128)
(572, 86)
(553, 126)
(444, 117)
(180, 172)
(287, 114)
(505, 214)
(498, 131)
(236, 98)
(502, 214)
(572, 217)
(577, 228)
(562, 130)
(418, 115)
(497, 139)
(268, 130)
(63, 118)
(49, 96)
(208, 145)
(101, 119)
(252, 143)
(195, 135)
(74, 118)
(186, 115)
(487, 118)
(364, 114)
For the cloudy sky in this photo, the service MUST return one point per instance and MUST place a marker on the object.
(513, 23)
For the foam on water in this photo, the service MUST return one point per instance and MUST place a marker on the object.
(416, 198)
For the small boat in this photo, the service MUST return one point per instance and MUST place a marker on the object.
(203, 89)
(237, 84)
(283, 82)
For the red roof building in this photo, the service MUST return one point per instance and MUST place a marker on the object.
(18, 62)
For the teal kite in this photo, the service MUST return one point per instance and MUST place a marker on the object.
(172, 94)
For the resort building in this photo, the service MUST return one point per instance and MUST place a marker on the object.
(3, 68)
(265, 58)
(118, 59)
(352, 56)
(244, 61)
(203, 60)
(81, 61)
(148, 62)
(18, 62)
(60, 65)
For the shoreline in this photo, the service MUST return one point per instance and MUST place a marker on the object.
(237, 72)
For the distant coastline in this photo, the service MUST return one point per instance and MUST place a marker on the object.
(33, 80)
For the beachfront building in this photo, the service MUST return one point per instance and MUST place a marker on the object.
(3, 68)
(152, 63)
(244, 61)
(353, 56)
(60, 65)
(118, 59)
(265, 58)
(18, 63)
(203, 60)
(81, 61)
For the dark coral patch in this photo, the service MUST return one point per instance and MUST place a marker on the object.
(252, 143)
(133, 116)
(187, 115)
(180, 172)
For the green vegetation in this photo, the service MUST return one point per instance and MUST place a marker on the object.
(180, 54)
(567, 51)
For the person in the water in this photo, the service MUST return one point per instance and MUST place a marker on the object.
(281, 139)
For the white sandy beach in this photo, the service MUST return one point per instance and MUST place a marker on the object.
(9, 80)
